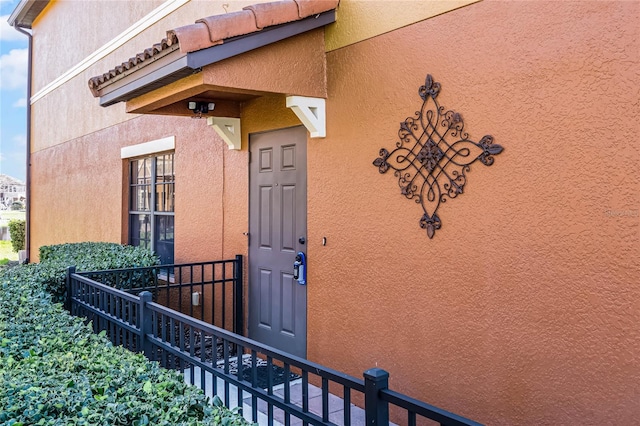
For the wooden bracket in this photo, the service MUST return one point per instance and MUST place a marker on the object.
(228, 129)
(311, 111)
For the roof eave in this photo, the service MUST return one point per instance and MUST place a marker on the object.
(174, 68)
(242, 44)
(141, 83)
(26, 12)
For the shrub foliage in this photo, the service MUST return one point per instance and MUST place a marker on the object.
(97, 256)
(17, 231)
(55, 371)
(55, 259)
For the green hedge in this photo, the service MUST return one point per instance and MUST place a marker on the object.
(17, 231)
(93, 256)
(55, 371)
(97, 256)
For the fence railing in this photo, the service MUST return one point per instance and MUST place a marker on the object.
(210, 291)
(108, 309)
(267, 384)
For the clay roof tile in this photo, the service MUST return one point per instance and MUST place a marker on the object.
(213, 30)
(274, 13)
(229, 25)
(314, 7)
(194, 36)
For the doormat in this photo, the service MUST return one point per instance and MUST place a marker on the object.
(278, 375)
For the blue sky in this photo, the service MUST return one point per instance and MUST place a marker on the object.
(13, 93)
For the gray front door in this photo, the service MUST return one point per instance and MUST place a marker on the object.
(277, 231)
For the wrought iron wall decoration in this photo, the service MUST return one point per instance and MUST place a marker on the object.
(433, 156)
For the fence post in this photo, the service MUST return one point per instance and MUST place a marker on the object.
(67, 301)
(237, 296)
(145, 323)
(376, 410)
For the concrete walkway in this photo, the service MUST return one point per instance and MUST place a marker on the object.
(336, 404)
(233, 394)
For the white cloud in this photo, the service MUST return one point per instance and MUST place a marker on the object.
(7, 32)
(20, 140)
(13, 69)
(20, 103)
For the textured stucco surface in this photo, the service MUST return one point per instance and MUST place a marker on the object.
(78, 186)
(363, 19)
(84, 34)
(67, 32)
(524, 308)
(294, 66)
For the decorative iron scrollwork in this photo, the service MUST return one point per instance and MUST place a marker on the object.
(433, 155)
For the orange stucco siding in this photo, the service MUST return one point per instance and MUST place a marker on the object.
(78, 186)
(523, 309)
(295, 66)
(68, 33)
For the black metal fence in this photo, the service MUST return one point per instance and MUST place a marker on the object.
(209, 291)
(243, 372)
(108, 309)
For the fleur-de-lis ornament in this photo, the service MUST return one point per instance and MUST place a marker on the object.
(433, 155)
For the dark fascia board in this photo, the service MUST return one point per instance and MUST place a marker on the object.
(142, 82)
(145, 80)
(26, 12)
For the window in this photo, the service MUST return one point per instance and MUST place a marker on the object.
(151, 204)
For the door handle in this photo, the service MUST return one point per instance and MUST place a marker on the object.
(299, 268)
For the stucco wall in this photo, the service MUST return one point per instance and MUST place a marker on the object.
(78, 187)
(524, 307)
(360, 20)
(67, 32)
(61, 42)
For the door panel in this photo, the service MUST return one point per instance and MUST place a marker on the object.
(265, 298)
(288, 303)
(288, 222)
(277, 220)
(265, 217)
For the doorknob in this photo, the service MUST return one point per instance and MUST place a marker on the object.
(301, 240)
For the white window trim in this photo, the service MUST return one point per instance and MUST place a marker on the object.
(156, 15)
(149, 148)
